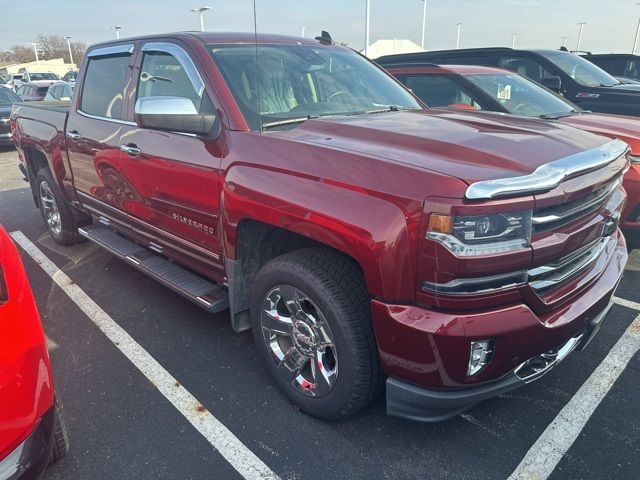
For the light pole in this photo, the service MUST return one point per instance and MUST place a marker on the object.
(635, 40)
(201, 11)
(35, 50)
(581, 25)
(514, 35)
(424, 22)
(458, 36)
(68, 38)
(366, 28)
(564, 40)
(117, 28)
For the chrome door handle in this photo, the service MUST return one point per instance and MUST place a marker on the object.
(74, 135)
(131, 149)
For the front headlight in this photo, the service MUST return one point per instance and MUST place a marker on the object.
(466, 235)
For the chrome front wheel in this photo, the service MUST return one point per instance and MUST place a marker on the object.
(299, 341)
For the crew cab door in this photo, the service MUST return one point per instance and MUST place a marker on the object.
(93, 129)
(175, 174)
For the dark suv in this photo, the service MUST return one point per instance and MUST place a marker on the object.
(579, 80)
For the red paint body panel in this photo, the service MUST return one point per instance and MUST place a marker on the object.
(26, 385)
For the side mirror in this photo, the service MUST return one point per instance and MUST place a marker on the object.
(176, 114)
(552, 83)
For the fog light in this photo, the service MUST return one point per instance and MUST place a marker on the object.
(480, 355)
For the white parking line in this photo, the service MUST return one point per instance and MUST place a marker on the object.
(219, 436)
(543, 457)
(626, 303)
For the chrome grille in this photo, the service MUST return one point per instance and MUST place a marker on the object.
(549, 276)
(546, 218)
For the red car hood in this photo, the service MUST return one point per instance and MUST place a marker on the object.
(469, 146)
(625, 128)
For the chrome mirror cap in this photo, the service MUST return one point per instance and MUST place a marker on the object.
(175, 114)
(165, 106)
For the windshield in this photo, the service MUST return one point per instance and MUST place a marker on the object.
(521, 96)
(581, 70)
(298, 82)
(43, 76)
(7, 97)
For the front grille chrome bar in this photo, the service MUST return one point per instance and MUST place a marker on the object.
(548, 176)
(581, 206)
(550, 276)
(541, 278)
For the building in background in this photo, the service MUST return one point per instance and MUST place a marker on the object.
(391, 47)
(55, 65)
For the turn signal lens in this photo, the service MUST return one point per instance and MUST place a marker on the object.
(440, 223)
(480, 355)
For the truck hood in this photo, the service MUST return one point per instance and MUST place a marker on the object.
(466, 145)
(625, 128)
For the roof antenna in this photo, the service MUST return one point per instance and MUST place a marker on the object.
(325, 38)
(255, 37)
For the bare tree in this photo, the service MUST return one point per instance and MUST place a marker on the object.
(51, 46)
(18, 54)
(55, 46)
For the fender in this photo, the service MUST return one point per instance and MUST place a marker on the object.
(374, 232)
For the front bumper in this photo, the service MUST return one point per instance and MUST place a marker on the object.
(425, 352)
(421, 404)
(30, 459)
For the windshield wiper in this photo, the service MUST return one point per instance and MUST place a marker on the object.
(390, 108)
(548, 116)
(288, 121)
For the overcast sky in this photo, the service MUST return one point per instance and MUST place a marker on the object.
(611, 24)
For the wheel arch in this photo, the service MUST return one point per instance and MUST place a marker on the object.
(258, 225)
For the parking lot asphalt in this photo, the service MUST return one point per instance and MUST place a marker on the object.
(121, 426)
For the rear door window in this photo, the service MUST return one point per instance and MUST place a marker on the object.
(104, 83)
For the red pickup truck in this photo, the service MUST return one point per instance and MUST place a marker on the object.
(361, 238)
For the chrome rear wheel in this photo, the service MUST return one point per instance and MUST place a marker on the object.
(50, 208)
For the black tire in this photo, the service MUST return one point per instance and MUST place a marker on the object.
(633, 239)
(67, 233)
(335, 285)
(60, 436)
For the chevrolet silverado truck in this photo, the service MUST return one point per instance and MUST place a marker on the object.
(363, 239)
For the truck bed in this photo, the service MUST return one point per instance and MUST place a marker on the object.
(38, 123)
(54, 114)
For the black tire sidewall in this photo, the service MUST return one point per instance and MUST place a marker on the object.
(332, 404)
